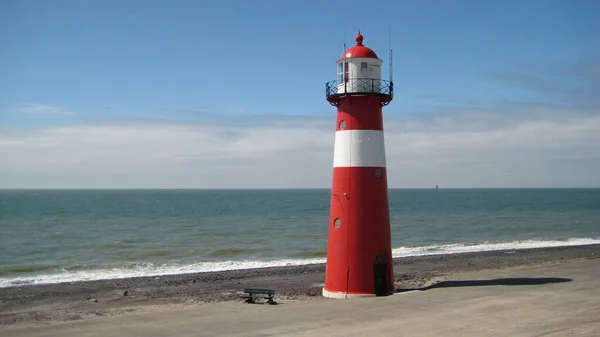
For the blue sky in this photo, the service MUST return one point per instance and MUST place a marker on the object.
(222, 70)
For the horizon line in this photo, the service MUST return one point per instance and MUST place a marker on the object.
(275, 188)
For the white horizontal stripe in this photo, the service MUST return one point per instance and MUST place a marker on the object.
(359, 148)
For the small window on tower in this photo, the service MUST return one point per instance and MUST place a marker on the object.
(340, 72)
(346, 76)
(363, 65)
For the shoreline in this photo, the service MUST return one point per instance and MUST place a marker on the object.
(83, 299)
(35, 279)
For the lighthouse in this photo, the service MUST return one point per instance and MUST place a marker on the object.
(359, 254)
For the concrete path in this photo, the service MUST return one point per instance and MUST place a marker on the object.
(550, 300)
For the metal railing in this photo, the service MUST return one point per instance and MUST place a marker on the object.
(360, 86)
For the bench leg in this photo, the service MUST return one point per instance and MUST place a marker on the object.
(250, 299)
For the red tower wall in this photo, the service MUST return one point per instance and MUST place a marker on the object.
(359, 199)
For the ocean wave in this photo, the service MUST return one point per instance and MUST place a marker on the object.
(458, 248)
(27, 268)
(135, 269)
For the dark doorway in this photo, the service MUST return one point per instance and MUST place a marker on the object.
(380, 275)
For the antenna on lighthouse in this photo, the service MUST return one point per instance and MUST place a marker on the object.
(391, 69)
(344, 35)
(344, 70)
(343, 77)
(344, 51)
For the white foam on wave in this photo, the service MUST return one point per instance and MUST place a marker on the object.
(154, 269)
(458, 248)
(150, 269)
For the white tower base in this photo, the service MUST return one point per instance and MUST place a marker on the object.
(333, 294)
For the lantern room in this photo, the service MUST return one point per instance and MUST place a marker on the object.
(358, 72)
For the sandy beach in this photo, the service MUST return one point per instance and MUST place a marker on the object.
(547, 291)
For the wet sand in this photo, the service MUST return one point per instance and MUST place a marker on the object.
(25, 308)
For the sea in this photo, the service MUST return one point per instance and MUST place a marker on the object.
(52, 236)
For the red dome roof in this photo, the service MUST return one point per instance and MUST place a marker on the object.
(359, 50)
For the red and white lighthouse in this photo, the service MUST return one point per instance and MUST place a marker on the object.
(359, 254)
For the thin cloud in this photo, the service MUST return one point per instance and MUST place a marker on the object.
(198, 114)
(235, 109)
(187, 111)
(30, 108)
(527, 81)
(576, 85)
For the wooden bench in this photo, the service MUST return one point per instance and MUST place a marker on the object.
(251, 293)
